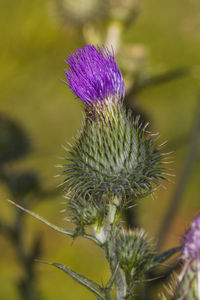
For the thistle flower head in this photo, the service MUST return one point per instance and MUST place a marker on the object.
(191, 241)
(94, 76)
(113, 155)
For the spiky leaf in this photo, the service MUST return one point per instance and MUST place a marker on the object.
(55, 227)
(89, 284)
(166, 255)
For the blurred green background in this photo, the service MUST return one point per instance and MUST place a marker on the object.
(34, 42)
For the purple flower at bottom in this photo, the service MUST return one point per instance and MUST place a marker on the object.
(94, 76)
(191, 241)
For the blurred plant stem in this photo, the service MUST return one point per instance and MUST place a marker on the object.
(27, 285)
(23, 187)
(187, 167)
(113, 36)
(155, 80)
(131, 214)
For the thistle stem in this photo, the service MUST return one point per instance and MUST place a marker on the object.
(108, 295)
(112, 231)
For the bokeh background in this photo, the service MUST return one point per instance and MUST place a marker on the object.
(157, 45)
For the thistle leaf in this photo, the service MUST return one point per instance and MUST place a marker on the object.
(166, 255)
(33, 214)
(89, 284)
(55, 227)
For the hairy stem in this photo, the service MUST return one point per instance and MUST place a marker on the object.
(112, 230)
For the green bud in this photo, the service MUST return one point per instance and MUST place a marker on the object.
(85, 212)
(113, 156)
(134, 253)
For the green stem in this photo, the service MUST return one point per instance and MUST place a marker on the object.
(110, 247)
(108, 295)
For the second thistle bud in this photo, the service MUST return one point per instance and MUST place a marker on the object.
(134, 252)
(135, 256)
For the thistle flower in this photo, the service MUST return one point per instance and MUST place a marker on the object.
(113, 155)
(186, 285)
(189, 287)
(191, 242)
(94, 76)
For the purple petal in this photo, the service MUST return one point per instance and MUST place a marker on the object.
(191, 241)
(94, 75)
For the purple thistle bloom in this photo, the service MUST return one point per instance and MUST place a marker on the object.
(191, 241)
(94, 75)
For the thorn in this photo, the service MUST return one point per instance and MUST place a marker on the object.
(43, 262)
(58, 166)
(66, 149)
(157, 134)
(55, 176)
(67, 219)
(60, 184)
(60, 157)
(167, 153)
(145, 126)
(163, 144)
(63, 202)
(168, 174)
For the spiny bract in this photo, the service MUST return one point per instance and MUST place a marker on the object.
(113, 156)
